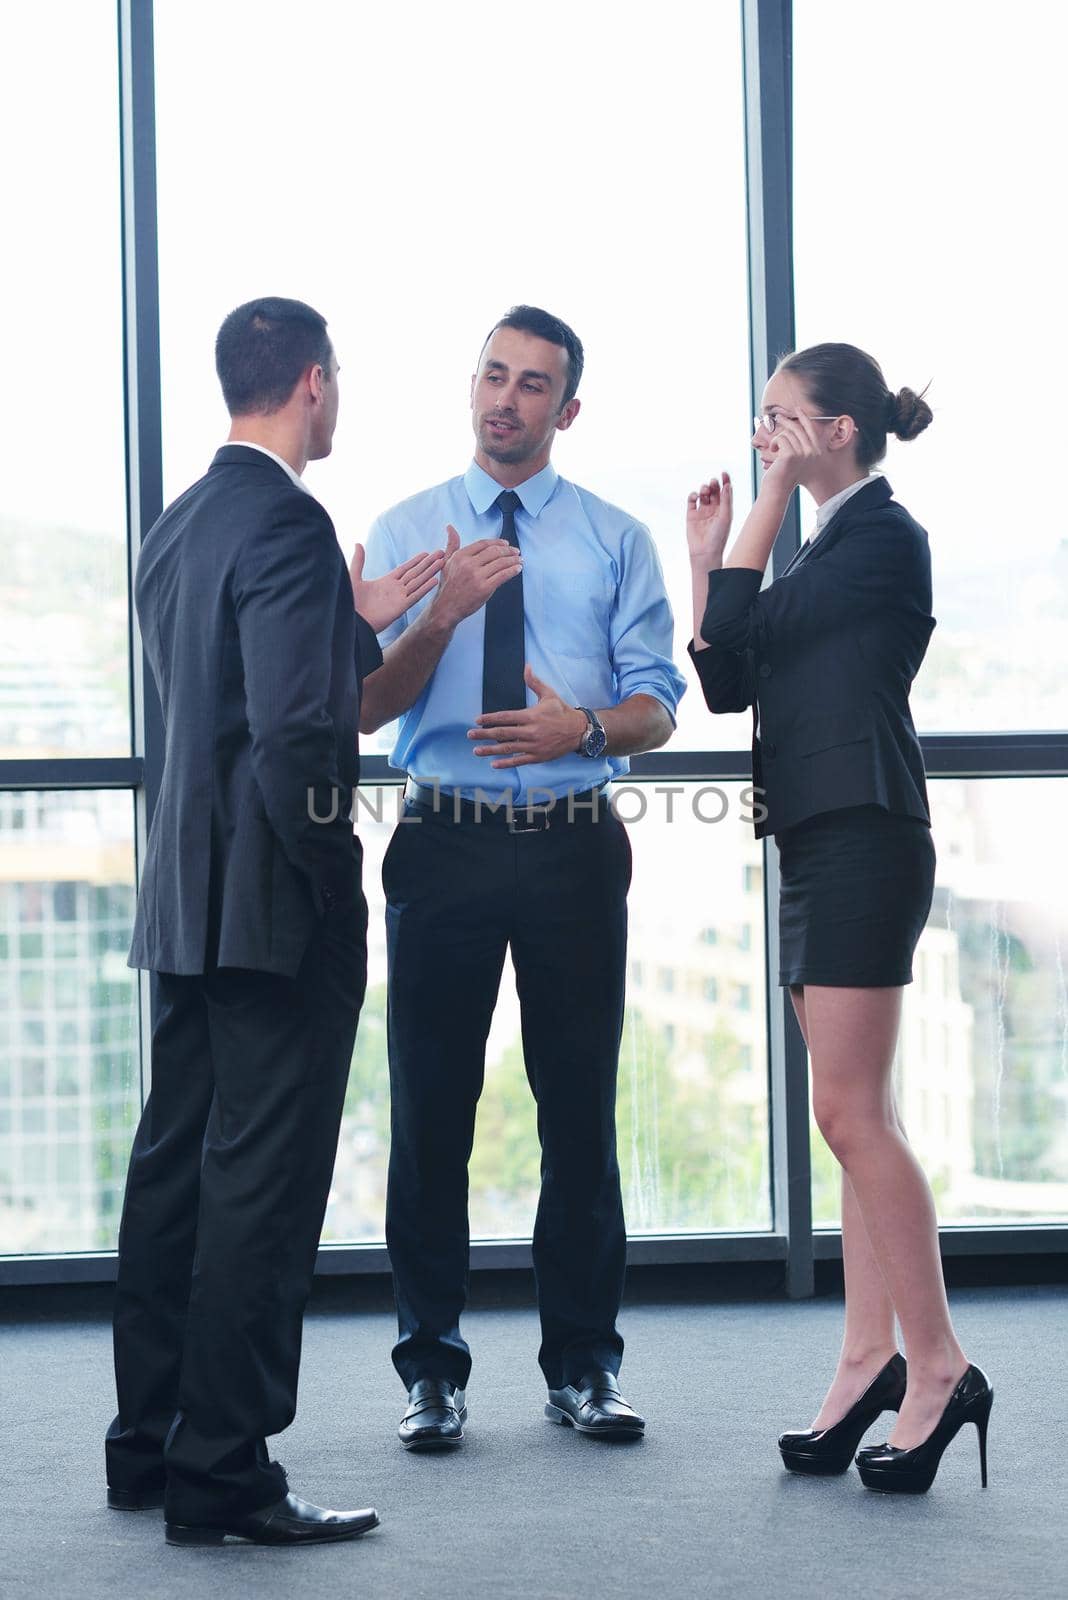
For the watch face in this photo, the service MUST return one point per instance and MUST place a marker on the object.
(596, 740)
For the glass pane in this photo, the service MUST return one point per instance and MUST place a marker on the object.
(942, 129)
(442, 190)
(983, 1060)
(64, 662)
(693, 1111)
(692, 1106)
(70, 1073)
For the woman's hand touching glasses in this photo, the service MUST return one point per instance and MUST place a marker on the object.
(792, 441)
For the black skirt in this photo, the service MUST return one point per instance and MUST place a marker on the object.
(855, 890)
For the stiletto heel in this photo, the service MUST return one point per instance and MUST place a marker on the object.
(982, 1422)
(893, 1471)
(822, 1452)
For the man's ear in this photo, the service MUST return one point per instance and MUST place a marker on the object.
(474, 380)
(568, 414)
(316, 380)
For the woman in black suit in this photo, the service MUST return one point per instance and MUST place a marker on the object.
(826, 655)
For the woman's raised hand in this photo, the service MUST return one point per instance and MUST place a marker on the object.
(708, 522)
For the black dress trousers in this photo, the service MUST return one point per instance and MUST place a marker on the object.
(225, 1198)
(458, 894)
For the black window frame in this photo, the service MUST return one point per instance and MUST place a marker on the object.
(791, 1240)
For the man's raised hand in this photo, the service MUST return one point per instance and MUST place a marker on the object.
(471, 573)
(381, 601)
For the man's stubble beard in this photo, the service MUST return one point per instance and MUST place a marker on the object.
(507, 455)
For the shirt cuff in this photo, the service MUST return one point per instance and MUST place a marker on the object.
(670, 703)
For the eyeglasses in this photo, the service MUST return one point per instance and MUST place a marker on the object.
(770, 420)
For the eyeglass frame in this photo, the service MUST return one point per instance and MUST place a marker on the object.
(766, 417)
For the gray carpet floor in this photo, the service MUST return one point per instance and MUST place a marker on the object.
(529, 1511)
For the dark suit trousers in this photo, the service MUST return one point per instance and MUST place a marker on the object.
(225, 1198)
(458, 894)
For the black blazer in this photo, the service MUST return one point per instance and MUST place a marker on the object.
(826, 655)
(246, 614)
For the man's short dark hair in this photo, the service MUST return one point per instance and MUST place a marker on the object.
(263, 348)
(543, 325)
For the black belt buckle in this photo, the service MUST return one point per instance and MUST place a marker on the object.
(536, 819)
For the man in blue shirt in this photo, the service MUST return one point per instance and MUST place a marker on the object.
(542, 660)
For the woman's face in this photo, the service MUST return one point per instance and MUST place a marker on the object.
(784, 395)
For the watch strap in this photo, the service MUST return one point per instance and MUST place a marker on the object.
(596, 726)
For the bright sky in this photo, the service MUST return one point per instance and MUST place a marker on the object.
(927, 225)
(61, 398)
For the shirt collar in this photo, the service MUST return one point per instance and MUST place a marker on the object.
(534, 495)
(829, 507)
(247, 444)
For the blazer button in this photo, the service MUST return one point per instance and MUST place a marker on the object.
(765, 669)
(329, 897)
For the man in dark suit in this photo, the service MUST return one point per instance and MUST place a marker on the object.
(252, 920)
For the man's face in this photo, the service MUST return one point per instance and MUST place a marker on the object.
(325, 416)
(517, 399)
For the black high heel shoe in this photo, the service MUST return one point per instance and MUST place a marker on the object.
(822, 1452)
(894, 1471)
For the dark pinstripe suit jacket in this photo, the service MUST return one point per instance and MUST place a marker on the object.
(246, 613)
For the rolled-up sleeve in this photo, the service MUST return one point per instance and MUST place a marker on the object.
(642, 628)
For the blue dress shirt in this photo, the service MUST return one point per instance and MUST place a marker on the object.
(597, 618)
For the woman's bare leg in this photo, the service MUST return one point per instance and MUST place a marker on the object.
(852, 1035)
(868, 1338)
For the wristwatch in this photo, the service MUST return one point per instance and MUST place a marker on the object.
(594, 741)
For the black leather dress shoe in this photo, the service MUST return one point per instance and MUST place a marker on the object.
(596, 1407)
(435, 1416)
(135, 1499)
(288, 1521)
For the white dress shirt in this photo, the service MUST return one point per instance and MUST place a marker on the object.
(826, 511)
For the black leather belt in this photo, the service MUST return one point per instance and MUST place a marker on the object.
(586, 806)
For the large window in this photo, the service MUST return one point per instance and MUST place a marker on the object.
(927, 232)
(64, 645)
(414, 171)
(437, 198)
(69, 1052)
(70, 1064)
(461, 164)
(692, 1114)
(982, 1065)
(924, 233)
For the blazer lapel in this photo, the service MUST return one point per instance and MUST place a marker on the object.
(874, 494)
(798, 557)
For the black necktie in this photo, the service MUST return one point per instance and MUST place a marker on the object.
(504, 652)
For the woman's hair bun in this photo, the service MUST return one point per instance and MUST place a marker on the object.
(907, 414)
